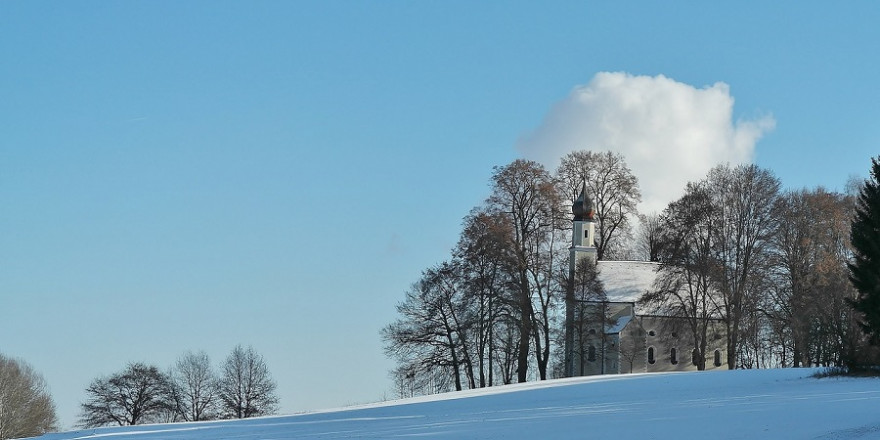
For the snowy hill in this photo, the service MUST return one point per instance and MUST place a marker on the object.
(750, 404)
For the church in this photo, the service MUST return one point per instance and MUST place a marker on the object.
(617, 335)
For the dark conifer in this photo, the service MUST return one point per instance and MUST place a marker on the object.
(865, 267)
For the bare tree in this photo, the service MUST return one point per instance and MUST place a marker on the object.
(744, 202)
(26, 408)
(195, 387)
(648, 238)
(484, 263)
(433, 329)
(139, 394)
(407, 381)
(525, 194)
(790, 300)
(685, 286)
(808, 302)
(455, 318)
(448, 280)
(588, 304)
(632, 346)
(614, 189)
(246, 389)
(507, 352)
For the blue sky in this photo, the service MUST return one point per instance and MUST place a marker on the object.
(194, 175)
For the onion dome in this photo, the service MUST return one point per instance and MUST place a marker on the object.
(583, 206)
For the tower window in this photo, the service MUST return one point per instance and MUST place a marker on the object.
(651, 333)
(651, 359)
(672, 356)
(696, 357)
(591, 353)
(717, 358)
(586, 234)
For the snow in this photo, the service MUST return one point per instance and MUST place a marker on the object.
(627, 281)
(742, 404)
(618, 326)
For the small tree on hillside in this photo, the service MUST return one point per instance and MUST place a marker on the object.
(865, 267)
(246, 388)
(139, 394)
(195, 387)
(26, 408)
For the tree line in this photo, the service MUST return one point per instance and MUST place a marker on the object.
(191, 390)
(771, 265)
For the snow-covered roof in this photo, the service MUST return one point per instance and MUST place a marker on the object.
(619, 325)
(627, 281)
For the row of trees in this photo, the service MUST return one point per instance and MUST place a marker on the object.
(26, 408)
(190, 391)
(770, 264)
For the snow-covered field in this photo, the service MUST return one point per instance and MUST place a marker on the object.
(745, 404)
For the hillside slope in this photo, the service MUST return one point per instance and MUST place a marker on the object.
(746, 404)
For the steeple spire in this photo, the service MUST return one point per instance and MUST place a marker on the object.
(582, 208)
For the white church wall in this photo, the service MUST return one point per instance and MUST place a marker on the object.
(663, 334)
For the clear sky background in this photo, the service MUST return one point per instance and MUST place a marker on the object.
(194, 175)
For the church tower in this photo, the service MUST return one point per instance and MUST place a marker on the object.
(583, 245)
(583, 239)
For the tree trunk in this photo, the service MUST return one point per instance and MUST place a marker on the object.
(525, 300)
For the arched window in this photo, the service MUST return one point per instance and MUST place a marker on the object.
(672, 356)
(651, 359)
(717, 358)
(696, 357)
(591, 353)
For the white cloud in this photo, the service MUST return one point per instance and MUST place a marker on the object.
(669, 132)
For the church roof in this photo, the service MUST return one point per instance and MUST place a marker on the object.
(627, 281)
(618, 326)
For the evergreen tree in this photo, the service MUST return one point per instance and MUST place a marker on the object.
(865, 267)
